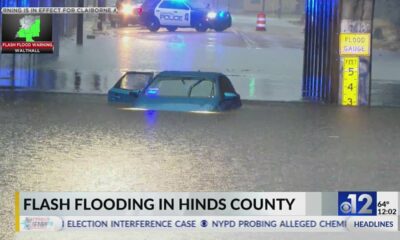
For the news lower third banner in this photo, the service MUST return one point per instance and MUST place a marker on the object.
(235, 212)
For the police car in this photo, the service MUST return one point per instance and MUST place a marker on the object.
(174, 14)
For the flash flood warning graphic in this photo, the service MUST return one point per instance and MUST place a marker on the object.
(30, 33)
(30, 28)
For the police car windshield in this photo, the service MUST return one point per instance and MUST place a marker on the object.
(182, 87)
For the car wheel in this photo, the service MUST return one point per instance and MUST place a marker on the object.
(172, 29)
(201, 27)
(219, 29)
(154, 24)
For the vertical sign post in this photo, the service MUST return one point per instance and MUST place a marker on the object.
(355, 52)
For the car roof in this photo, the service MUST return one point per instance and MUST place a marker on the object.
(208, 75)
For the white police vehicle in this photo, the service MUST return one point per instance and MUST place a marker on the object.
(174, 14)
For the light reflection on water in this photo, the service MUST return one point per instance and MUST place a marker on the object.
(151, 117)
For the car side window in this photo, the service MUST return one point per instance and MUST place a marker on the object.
(182, 87)
(204, 89)
(181, 6)
(174, 5)
(225, 85)
(167, 4)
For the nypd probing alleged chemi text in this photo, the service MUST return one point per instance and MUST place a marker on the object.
(227, 224)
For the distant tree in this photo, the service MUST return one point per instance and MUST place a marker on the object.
(393, 9)
(389, 10)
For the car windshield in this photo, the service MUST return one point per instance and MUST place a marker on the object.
(182, 87)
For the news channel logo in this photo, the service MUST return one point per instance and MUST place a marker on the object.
(41, 224)
(357, 204)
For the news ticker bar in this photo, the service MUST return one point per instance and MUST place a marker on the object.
(273, 211)
(212, 223)
(59, 10)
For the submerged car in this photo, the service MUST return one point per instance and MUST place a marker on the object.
(182, 91)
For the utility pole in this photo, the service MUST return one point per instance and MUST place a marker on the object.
(280, 9)
(79, 27)
(56, 28)
(263, 5)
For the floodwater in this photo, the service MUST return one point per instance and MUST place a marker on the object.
(70, 142)
(256, 62)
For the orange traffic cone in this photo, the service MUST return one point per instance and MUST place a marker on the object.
(261, 22)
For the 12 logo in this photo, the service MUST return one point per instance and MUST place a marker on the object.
(357, 204)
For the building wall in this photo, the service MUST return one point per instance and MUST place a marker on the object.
(273, 6)
(252, 5)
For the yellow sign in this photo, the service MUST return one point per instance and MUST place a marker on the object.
(355, 44)
(17, 221)
(350, 81)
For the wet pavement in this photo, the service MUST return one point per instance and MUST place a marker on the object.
(69, 142)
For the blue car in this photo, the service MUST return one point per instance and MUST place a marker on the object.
(185, 91)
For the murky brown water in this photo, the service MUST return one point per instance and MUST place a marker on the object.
(57, 142)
